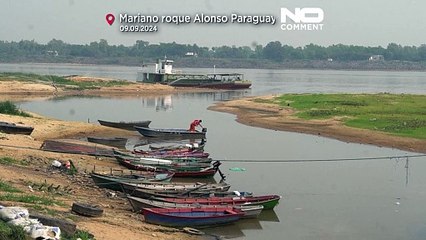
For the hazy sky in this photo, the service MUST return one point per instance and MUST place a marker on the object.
(361, 22)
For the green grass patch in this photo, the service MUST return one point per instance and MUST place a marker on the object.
(83, 235)
(11, 232)
(399, 114)
(8, 161)
(32, 199)
(10, 108)
(60, 81)
(6, 187)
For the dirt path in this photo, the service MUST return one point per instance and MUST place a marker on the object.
(273, 117)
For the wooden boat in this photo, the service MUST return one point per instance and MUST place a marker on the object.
(170, 132)
(139, 203)
(145, 160)
(184, 217)
(164, 155)
(198, 173)
(198, 193)
(113, 181)
(172, 154)
(192, 146)
(12, 128)
(173, 157)
(168, 152)
(267, 201)
(186, 170)
(114, 142)
(129, 188)
(124, 125)
(161, 163)
(76, 147)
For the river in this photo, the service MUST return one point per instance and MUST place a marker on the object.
(358, 199)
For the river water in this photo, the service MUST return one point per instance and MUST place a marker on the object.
(374, 199)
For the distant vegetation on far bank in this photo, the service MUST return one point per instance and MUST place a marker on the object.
(398, 114)
(272, 55)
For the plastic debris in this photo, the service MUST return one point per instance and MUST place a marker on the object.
(19, 216)
(56, 163)
(237, 169)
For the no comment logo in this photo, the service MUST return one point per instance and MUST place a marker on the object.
(308, 19)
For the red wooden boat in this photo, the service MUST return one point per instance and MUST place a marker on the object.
(183, 217)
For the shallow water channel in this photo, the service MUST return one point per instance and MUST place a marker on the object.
(351, 199)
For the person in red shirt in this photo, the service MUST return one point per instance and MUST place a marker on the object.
(194, 124)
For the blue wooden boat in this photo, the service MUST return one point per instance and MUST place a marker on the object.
(171, 132)
(184, 217)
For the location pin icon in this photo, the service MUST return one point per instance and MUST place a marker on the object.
(110, 18)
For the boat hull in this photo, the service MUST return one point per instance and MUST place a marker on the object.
(191, 216)
(268, 202)
(11, 128)
(124, 125)
(114, 142)
(76, 147)
(169, 133)
(114, 182)
(221, 85)
(138, 204)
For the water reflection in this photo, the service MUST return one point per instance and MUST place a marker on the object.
(269, 215)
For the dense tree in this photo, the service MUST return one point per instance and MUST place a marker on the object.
(25, 50)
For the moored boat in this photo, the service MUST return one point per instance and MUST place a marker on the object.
(124, 125)
(129, 188)
(189, 170)
(139, 203)
(76, 147)
(114, 141)
(162, 163)
(167, 147)
(183, 217)
(199, 193)
(113, 181)
(171, 132)
(267, 201)
(164, 73)
(12, 128)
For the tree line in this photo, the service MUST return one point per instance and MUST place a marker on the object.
(143, 50)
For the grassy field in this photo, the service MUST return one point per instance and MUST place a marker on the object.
(398, 114)
(59, 81)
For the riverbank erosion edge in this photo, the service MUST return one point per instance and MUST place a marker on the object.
(260, 112)
(27, 174)
(17, 85)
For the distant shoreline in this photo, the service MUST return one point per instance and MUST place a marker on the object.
(198, 62)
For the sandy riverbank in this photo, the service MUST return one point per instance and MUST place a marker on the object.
(271, 116)
(118, 221)
(11, 88)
